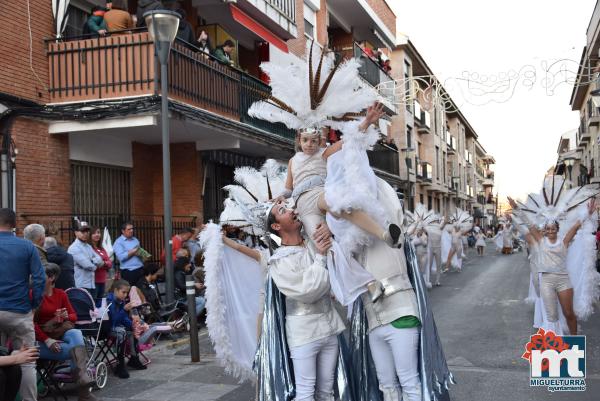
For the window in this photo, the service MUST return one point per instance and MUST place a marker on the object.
(437, 162)
(407, 74)
(421, 198)
(408, 137)
(444, 166)
(429, 202)
(310, 22)
(77, 18)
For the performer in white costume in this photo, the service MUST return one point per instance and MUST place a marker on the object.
(307, 98)
(462, 222)
(424, 228)
(498, 240)
(574, 285)
(312, 323)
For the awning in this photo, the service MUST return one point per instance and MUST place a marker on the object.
(250, 23)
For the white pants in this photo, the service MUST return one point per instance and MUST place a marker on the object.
(314, 369)
(395, 353)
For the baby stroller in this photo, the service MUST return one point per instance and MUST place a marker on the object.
(55, 374)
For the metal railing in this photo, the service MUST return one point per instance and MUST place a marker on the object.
(149, 229)
(123, 65)
(385, 159)
(370, 69)
(251, 91)
(285, 7)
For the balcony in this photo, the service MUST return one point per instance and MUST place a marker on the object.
(385, 159)
(488, 182)
(593, 114)
(370, 69)
(422, 120)
(451, 142)
(426, 170)
(583, 135)
(123, 66)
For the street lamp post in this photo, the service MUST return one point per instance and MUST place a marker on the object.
(407, 159)
(162, 27)
(569, 161)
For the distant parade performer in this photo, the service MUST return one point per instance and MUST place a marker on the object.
(563, 259)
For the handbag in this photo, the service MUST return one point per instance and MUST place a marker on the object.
(56, 330)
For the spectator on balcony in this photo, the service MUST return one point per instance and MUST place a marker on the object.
(223, 53)
(36, 234)
(95, 24)
(86, 260)
(143, 7)
(59, 255)
(101, 272)
(185, 31)
(126, 249)
(367, 50)
(117, 18)
(204, 44)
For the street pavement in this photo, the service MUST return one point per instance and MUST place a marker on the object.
(481, 319)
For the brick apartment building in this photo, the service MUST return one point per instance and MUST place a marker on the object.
(80, 117)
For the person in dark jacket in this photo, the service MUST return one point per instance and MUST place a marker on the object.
(145, 285)
(145, 6)
(58, 255)
(183, 267)
(185, 31)
(121, 328)
(95, 24)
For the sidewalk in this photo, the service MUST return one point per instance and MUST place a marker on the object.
(171, 376)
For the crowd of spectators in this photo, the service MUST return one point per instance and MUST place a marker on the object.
(114, 19)
(38, 321)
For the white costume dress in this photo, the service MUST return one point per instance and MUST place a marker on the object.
(434, 236)
(480, 239)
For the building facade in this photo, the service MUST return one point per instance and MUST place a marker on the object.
(444, 164)
(585, 98)
(80, 116)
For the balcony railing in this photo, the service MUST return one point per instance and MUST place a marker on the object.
(285, 7)
(124, 66)
(385, 159)
(149, 229)
(426, 171)
(370, 69)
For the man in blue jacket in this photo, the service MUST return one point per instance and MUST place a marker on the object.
(19, 265)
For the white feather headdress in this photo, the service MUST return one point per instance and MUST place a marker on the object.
(461, 219)
(554, 202)
(420, 218)
(308, 95)
(250, 197)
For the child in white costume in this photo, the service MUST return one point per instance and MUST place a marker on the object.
(306, 183)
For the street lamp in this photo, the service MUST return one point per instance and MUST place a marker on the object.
(162, 27)
(407, 160)
(569, 161)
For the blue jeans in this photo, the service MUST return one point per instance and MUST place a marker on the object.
(71, 339)
(200, 302)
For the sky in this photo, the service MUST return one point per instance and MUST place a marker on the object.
(519, 122)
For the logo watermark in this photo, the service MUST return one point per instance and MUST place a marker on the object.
(556, 362)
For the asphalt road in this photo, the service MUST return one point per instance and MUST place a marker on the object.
(484, 324)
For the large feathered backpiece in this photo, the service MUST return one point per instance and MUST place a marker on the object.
(310, 93)
(420, 218)
(253, 190)
(554, 202)
(461, 219)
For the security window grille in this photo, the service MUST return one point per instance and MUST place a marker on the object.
(100, 190)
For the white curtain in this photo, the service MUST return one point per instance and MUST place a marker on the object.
(59, 10)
